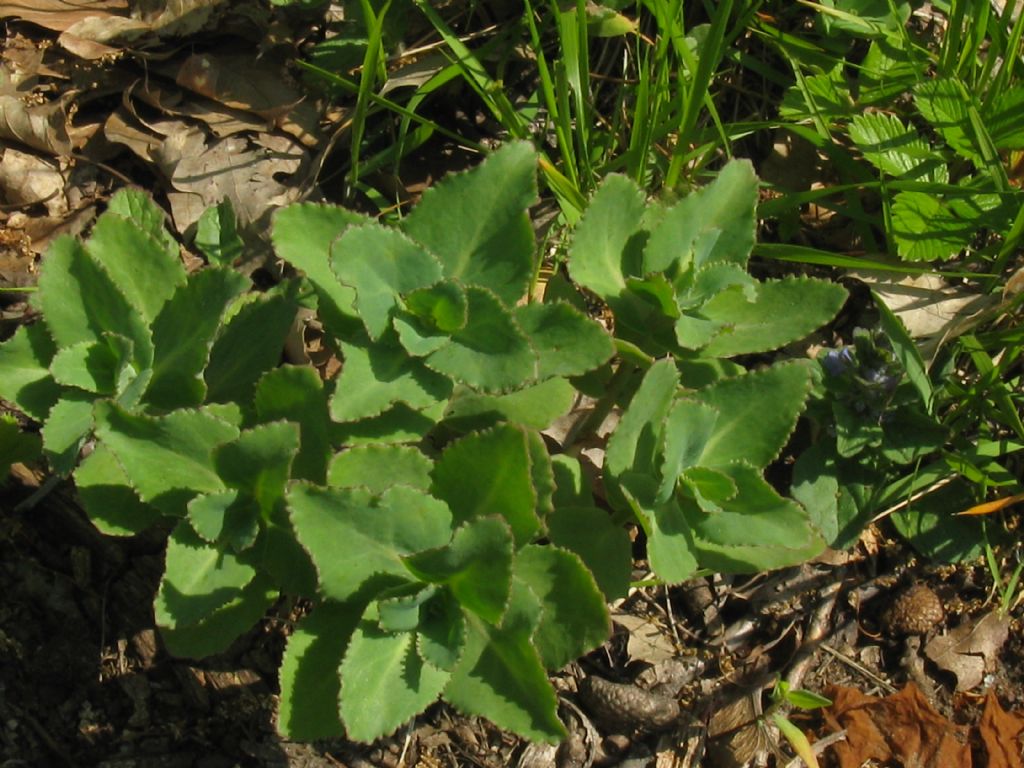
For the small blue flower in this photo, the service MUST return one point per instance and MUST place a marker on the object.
(836, 362)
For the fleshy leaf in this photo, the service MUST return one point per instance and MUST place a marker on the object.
(381, 264)
(64, 433)
(535, 406)
(236, 361)
(476, 567)
(574, 619)
(500, 675)
(487, 473)
(596, 258)
(441, 307)
(310, 686)
(356, 538)
(377, 375)
(378, 467)
(302, 235)
(442, 631)
(384, 681)
(166, 454)
(490, 352)
(217, 235)
(476, 222)
(183, 334)
(604, 547)
(80, 301)
(757, 413)
(228, 518)
(258, 461)
(688, 429)
(296, 393)
(769, 321)
(25, 360)
(398, 424)
(107, 497)
(567, 342)
(145, 269)
(100, 367)
(713, 224)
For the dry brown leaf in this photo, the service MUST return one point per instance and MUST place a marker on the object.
(647, 641)
(970, 650)
(59, 15)
(1000, 733)
(39, 126)
(27, 179)
(901, 729)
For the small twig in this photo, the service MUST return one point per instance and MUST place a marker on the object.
(880, 682)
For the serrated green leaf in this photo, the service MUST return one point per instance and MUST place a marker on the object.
(138, 207)
(282, 556)
(357, 540)
(25, 360)
(573, 487)
(166, 456)
(258, 462)
(228, 518)
(377, 375)
(636, 442)
(402, 612)
(476, 566)
(99, 367)
(381, 264)
(713, 224)
(597, 253)
(490, 352)
(296, 394)
(416, 337)
(384, 682)
(199, 578)
(688, 428)
(399, 424)
(755, 530)
(236, 362)
(567, 342)
(442, 631)
(310, 684)
(476, 222)
(896, 149)
(143, 267)
(487, 473)
(535, 406)
(302, 234)
(604, 547)
(500, 675)
(574, 618)
(106, 495)
(542, 473)
(757, 413)
(710, 487)
(378, 467)
(769, 322)
(183, 335)
(670, 543)
(925, 229)
(80, 301)
(441, 307)
(943, 103)
(65, 431)
(217, 235)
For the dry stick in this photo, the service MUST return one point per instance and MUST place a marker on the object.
(816, 632)
(880, 682)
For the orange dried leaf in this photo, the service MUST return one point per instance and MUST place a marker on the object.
(992, 506)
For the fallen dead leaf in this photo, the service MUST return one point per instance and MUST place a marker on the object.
(1000, 732)
(27, 179)
(647, 641)
(970, 650)
(900, 729)
(59, 15)
(39, 126)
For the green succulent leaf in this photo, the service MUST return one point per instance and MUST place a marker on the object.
(500, 675)
(441, 307)
(442, 631)
(603, 547)
(567, 342)
(377, 375)
(167, 459)
(490, 352)
(357, 540)
(745, 326)
(476, 567)
(535, 406)
(296, 394)
(217, 235)
(25, 360)
(310, 683)
(490, 473)
(66, 430)
(100, 367)
(476, 222)
(688, 429)
(107, 497)
(574, 618)
(381, 264)
(183, 334)
(757, 413)
(384, 681)
(378, 467)
(714, 224)
(258, 462)
(228, 518)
